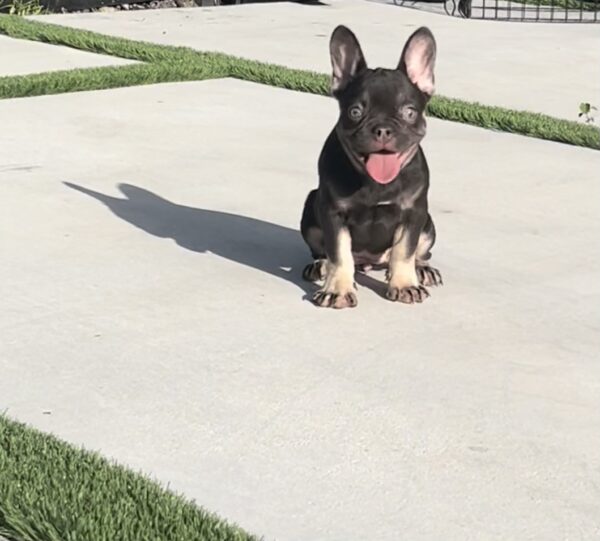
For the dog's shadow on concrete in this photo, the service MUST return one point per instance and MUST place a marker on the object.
(271, 248)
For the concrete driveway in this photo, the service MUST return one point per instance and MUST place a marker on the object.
(546, 68)
(20, 57)
(152, 309)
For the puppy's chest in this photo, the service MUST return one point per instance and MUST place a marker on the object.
(385, 211)
(372, 227)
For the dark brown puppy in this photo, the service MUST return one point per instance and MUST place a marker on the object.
(371, 204)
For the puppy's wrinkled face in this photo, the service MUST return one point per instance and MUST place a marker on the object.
(382, 122)
(382, 119)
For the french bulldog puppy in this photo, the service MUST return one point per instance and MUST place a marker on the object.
(370, 208)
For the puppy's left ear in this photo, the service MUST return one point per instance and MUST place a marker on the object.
(418, 60)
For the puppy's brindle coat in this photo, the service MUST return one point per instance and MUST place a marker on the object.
(371, 204)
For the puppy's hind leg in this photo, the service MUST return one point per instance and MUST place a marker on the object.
(315, 271)
(313, 236)
(428, 275)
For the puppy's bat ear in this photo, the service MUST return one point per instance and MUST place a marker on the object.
(347, 59)
(418, 60)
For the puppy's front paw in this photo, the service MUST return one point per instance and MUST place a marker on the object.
(429, 276)
(338, 292)
(407, 295)
(334, 299)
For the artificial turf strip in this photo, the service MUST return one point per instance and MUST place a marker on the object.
(184, 64)
(475, 114)
(76, 80)
(52, 491)
(21, 28)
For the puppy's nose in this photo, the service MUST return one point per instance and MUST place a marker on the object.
(382, 133)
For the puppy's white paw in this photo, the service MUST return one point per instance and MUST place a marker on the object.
(407, 295)
(339, 291)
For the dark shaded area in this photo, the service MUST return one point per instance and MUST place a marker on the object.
(236, 2)
(58, 6)
(80, 5)
(264, 246)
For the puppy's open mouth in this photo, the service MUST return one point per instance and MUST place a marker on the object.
(384, 166)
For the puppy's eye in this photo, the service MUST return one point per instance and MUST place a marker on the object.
(409, 113)
(355, 112)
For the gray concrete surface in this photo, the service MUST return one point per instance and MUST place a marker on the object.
(149, 311)
(535, 67)
(21, 57)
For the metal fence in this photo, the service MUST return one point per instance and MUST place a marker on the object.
(556, 11)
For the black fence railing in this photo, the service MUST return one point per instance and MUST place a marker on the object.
(551, 11)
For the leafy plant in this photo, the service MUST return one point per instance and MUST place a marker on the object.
(585, 111)
(23, 8)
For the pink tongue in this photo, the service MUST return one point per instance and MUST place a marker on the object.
(383, 168)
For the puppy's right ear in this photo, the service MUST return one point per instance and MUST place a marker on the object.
(418, 59)
(347, 59)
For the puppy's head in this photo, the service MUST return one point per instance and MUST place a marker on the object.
(381, 119)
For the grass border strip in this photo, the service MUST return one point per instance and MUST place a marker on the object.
(172, 64)
(78, 80)
(18, 27)
(535, 125)
(52, 491)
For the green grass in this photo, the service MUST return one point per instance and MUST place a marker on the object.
(164, 63)
(76, 80)
(52, 491)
